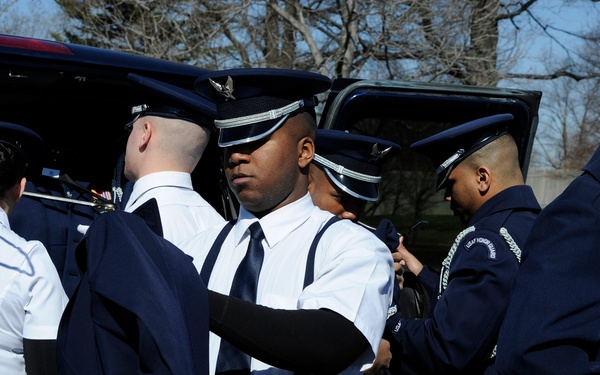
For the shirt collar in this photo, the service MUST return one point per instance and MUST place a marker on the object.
(4, 218)
(278, 224)
(159, 179)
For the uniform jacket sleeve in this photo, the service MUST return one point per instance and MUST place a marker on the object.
(553, 321)
(140, 307)
(463, 327)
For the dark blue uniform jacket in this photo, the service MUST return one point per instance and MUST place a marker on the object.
(461, 332)
(54, 224)
(552, 325)
(140, 308)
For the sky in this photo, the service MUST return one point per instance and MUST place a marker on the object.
(565, 17)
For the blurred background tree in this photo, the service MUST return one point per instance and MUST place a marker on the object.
(461, 41)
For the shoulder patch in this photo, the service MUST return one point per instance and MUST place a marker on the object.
(482, 241)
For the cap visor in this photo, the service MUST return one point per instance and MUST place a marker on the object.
(248, 133)
(358, 189)
(442, 181)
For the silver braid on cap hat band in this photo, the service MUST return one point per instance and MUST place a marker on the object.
(345, 171)
(260, 117)
(449, 161)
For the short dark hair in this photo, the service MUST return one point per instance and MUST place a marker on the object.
(12, 167)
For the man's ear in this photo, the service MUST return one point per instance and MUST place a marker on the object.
(147, 131)
(484, 179)
(306, 151)
(18, 189)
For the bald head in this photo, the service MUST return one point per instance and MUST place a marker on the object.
(162, 144)
(181, 141)
(502, 157)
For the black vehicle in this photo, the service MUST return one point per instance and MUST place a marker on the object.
(78, 99)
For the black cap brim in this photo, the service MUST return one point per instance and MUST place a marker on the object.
(195, 108)
(249, 133)
(442, 180)
(358, 189)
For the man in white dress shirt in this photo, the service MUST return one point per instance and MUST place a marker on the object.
(32, 298)
(169, 133)
(319, 313)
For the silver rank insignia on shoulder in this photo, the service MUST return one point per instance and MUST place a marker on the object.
(376, 154)
(224, 89)
(118, 192)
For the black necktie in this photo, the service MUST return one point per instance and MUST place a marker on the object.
(244, 285)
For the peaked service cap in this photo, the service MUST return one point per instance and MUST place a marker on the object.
(449, 148)
(352, 161)
(254, 102)
(170, 101)
(26, 142)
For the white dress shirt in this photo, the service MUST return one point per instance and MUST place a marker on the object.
(183, 212)
(353, 270)
(32, 298)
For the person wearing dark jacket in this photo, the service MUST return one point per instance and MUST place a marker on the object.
(478, 166)
(553, 318)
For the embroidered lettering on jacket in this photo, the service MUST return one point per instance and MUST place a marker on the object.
(491, 248)
(392, 310)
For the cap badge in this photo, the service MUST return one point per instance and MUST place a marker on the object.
(376, 154)
(224, 89)
(137, 109)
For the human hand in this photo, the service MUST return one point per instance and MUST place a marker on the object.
(400, 277)
(403, 257)
(382, 361)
